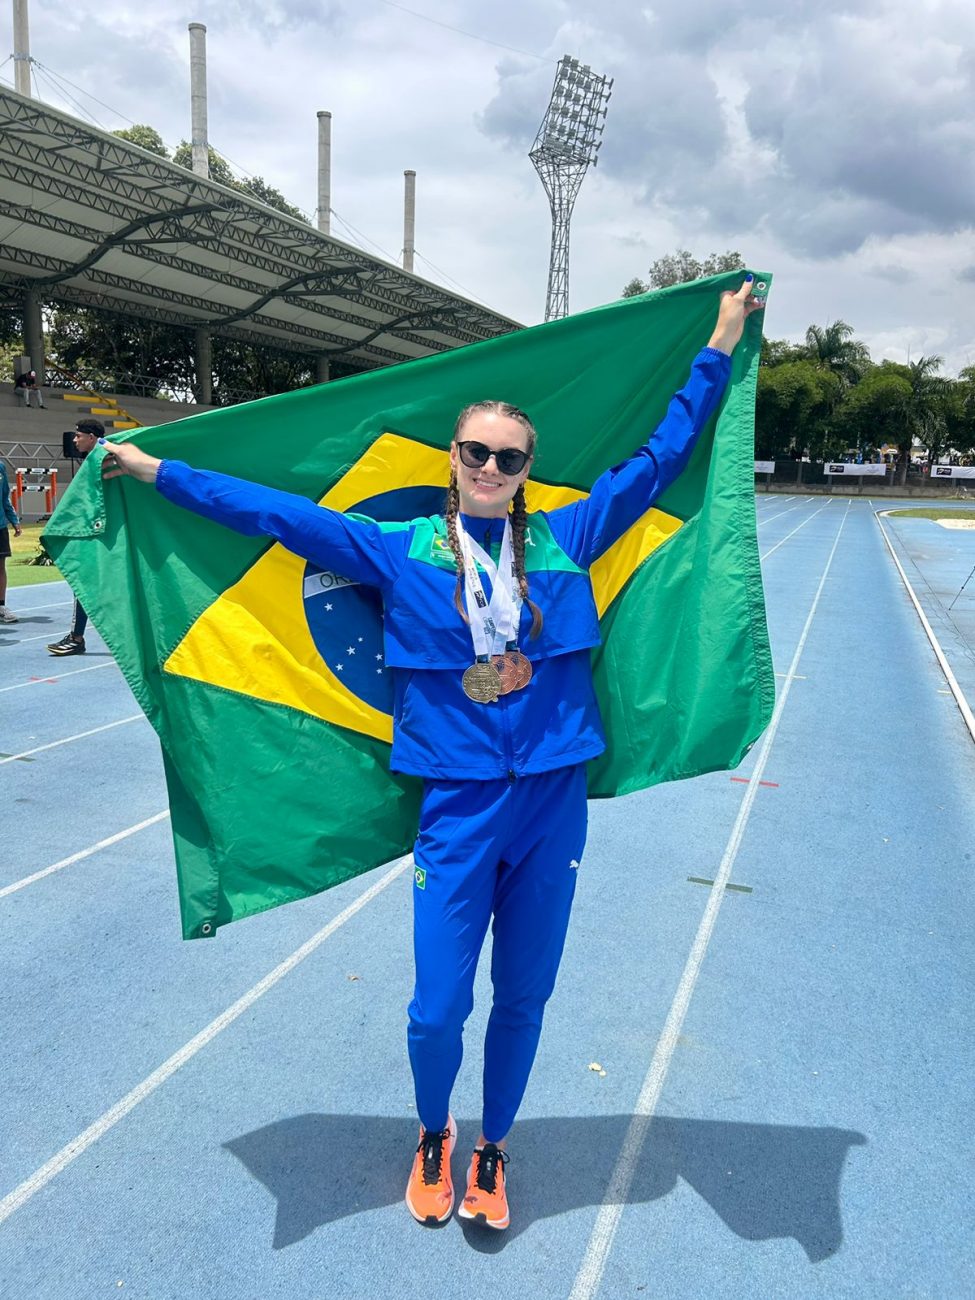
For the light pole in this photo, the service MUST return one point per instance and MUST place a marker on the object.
(567, 142)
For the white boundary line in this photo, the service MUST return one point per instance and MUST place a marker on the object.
(956, 690)
(27, 753)
(41, 636)
(607, 1220)
(26, 609)
(56, 677)
(80, 856)
(42, 1176)
(794, 531)
(767, 519)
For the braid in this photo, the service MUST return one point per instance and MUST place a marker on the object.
(450, 519)
(518, 529)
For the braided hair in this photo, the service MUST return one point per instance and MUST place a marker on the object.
(518, 510)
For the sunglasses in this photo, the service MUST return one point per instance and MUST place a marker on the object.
(509, 460)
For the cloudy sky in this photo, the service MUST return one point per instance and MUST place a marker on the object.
(831, 143)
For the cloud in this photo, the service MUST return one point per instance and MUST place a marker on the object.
(828, 142)
(820, 127)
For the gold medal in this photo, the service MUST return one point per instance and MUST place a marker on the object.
(514, 670)
(482, 683)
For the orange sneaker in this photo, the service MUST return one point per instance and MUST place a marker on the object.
(430, 1191)
(486, 1201)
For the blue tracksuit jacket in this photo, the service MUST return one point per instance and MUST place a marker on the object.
(438, 732)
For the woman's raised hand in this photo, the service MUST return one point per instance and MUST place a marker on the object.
(735, 308)
(122, 458)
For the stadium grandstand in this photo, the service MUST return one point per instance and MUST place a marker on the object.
(90, 220)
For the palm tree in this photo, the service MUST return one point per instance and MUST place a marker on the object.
(834, 348)
(925, 412)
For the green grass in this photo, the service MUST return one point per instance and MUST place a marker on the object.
(25, 547)
(935, 512)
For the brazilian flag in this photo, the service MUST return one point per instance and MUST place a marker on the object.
(264, 676)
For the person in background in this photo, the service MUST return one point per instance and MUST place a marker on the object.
(87, 433)
(9, 516)
(26, 384)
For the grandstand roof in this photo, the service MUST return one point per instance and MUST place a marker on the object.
(88, 219)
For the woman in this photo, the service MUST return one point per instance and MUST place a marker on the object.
(489, 624)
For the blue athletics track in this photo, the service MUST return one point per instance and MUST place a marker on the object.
(755, 1078)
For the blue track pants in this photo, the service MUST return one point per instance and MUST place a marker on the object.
(511, 849)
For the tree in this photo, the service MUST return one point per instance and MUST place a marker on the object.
(794, 408)
(874, 413)
(926, 413)
(635, 287)
(922, 411)
(122, 354)
(681, 267)
(255, 186)
(775, 352)
(241, 370)
(146, 137)
(219, 170)
(834, 348)
(264, 193)
(963, 432)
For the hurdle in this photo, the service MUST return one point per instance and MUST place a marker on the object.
(35, 480)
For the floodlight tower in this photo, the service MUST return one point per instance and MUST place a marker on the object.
(567, 142)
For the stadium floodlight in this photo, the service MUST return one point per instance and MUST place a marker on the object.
(567, 142)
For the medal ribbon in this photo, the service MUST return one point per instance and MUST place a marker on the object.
(493, 624)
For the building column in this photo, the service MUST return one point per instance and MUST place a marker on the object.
(323, 369)
(204, 368)
(34, 334)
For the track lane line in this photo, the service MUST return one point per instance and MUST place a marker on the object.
(794, 531)
(82, 854)
(82, 735)
(963, 706)
(26, 609)
(60, 1161)
(56, 677)
(767, 518)
(41, 636)
(601, 1239)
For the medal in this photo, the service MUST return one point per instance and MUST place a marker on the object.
(514, 670)
(500, 667)
(482, 682)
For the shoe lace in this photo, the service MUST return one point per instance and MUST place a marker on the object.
(489, 1158)
(431, 1145)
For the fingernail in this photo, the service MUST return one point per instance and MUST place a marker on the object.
(749, 276)
(101, 442)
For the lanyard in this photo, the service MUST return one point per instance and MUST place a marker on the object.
(493, 624)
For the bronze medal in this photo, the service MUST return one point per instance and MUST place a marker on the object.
(482, 683)
(514, 670)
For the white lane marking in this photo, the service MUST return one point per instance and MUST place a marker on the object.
(54, 744)
(607, 1220)
(42, 1176)
(27, 609)
(767, 519)
(963, 706)
(41, 636)
(56, 677)
(774, 548)
(84, 853)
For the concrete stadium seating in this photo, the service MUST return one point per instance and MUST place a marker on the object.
(32, 438)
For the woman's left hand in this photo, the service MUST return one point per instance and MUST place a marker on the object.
(734, 310)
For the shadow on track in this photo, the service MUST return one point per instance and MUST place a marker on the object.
(763, 1180)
